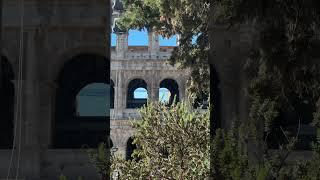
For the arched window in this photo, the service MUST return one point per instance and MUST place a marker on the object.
(137, 94)
(81, 116)
(6, 104)
(169, 90)
(130, 148)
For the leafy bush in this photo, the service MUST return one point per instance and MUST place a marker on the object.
(174, 143)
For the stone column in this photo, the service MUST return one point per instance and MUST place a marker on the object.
(122, 45)
(48, 92)
(182, 90)
(153, 44)
(30, 152)
(153, 88)
(119, 105)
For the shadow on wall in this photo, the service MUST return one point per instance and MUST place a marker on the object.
(7, 92)
(71, 130)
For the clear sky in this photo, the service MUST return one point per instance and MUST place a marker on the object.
(140, 38)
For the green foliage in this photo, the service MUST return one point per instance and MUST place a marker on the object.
(284, 75)
(283, 71)
(100, 158)
(173, 143)
(62, 177)
(188, 19)
(229, 161)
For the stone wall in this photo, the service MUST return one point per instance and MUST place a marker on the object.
(53, 32)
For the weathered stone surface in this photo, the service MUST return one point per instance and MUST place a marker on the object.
(54, 31)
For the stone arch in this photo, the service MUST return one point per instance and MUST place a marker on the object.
(133, 85)
(7, 96)
(138, 77)
(71, 131)
(66, 55)
(173, 87)
(130, 148)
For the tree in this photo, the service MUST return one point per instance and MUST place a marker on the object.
(283, 69)
(186, 18)
(173, 143)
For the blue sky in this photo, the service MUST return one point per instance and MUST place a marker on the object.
(140, 38)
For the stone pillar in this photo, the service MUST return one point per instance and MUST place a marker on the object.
(228, 57)
(119, 105)
(122, 44)
(48, 91)
(30, 152)
(182, 90)
(154, 90)
(153, 44)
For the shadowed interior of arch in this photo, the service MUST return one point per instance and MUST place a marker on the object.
(6, 103)
(130, 148)
(137, 94)
(83, 80)
(111, 94)
(169, 90)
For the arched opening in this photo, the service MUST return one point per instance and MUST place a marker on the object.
(164, 95)
(6, 104)
(111, 94)
(92, 100)
(130, 149)
(170, 87)
(84, 78)
(137, 94)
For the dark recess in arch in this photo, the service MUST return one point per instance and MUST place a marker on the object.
(132, 86)
(173, 87)
(71, 131)
(111, 94)
(130, 148)
(6, 104)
